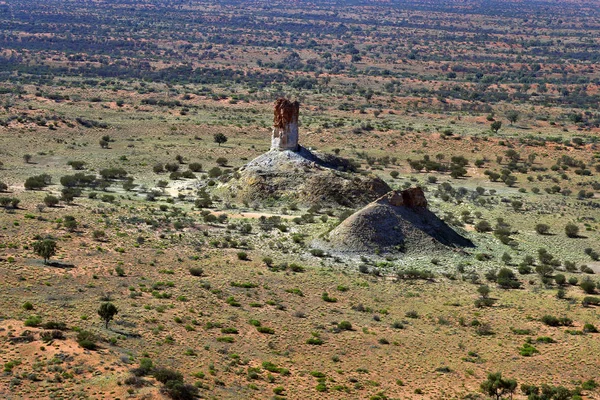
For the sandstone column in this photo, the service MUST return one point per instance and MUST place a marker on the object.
(285, 125)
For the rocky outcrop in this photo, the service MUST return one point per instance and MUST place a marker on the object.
(398, 222)
(304, 178)
(411, 198)
(285, 125)
(290, 173)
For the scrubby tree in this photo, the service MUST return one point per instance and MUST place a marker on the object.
(158, 168)
(495, 126)
(572, 230)
(484, 291)
(507, 279)
(498, 387)
(45, 248)
(510, 180)
(27, 158)
(483, 226)
(70, 223)
(195, 167)
(51, 201)
(220, 138)
(542, 229)
(38, 182)
(107, 312)
(512, 116)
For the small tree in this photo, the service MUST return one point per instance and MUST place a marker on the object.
(510, 180)
(497, 387)
(51, 201)
(542, 229)
(483, 226)
(484, 291)
(45, 248)
(495, 126)
(27, 158)
(220, 138)
(107, 312)
(158, 168)
(195, 167)
(572, 230)
(512, 116)
(70, 223)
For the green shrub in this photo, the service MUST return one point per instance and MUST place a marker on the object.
(345, 326)
(178, 390)
(278, 390)
(397, 325)
(528, 350)
(51, 201)
(33, 321)
(588, 286)
(589, 385)
(315, 341)
(542, 229)
(195, 167)
(264, 329)
(554, 321)
(525, 269)
(545, 339)
(87, 340)
(164, 375)
(506, 279)
(560, 279)
(325, 296)
(232, 302)
(572, 230)
(61, 326)
(590, 301)
(271, 367)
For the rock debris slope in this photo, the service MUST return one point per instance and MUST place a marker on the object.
(396, 222)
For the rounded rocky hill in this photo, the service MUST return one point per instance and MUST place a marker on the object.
(398, 222)
(302, 177)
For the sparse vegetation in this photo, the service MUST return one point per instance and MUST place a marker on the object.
(135, 164)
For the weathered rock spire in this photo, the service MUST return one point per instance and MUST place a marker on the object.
(285, 125)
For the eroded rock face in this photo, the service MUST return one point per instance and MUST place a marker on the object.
(398, 222)
(285, 125)
(411, 198)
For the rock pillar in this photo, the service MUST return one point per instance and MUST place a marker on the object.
(285, 125)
